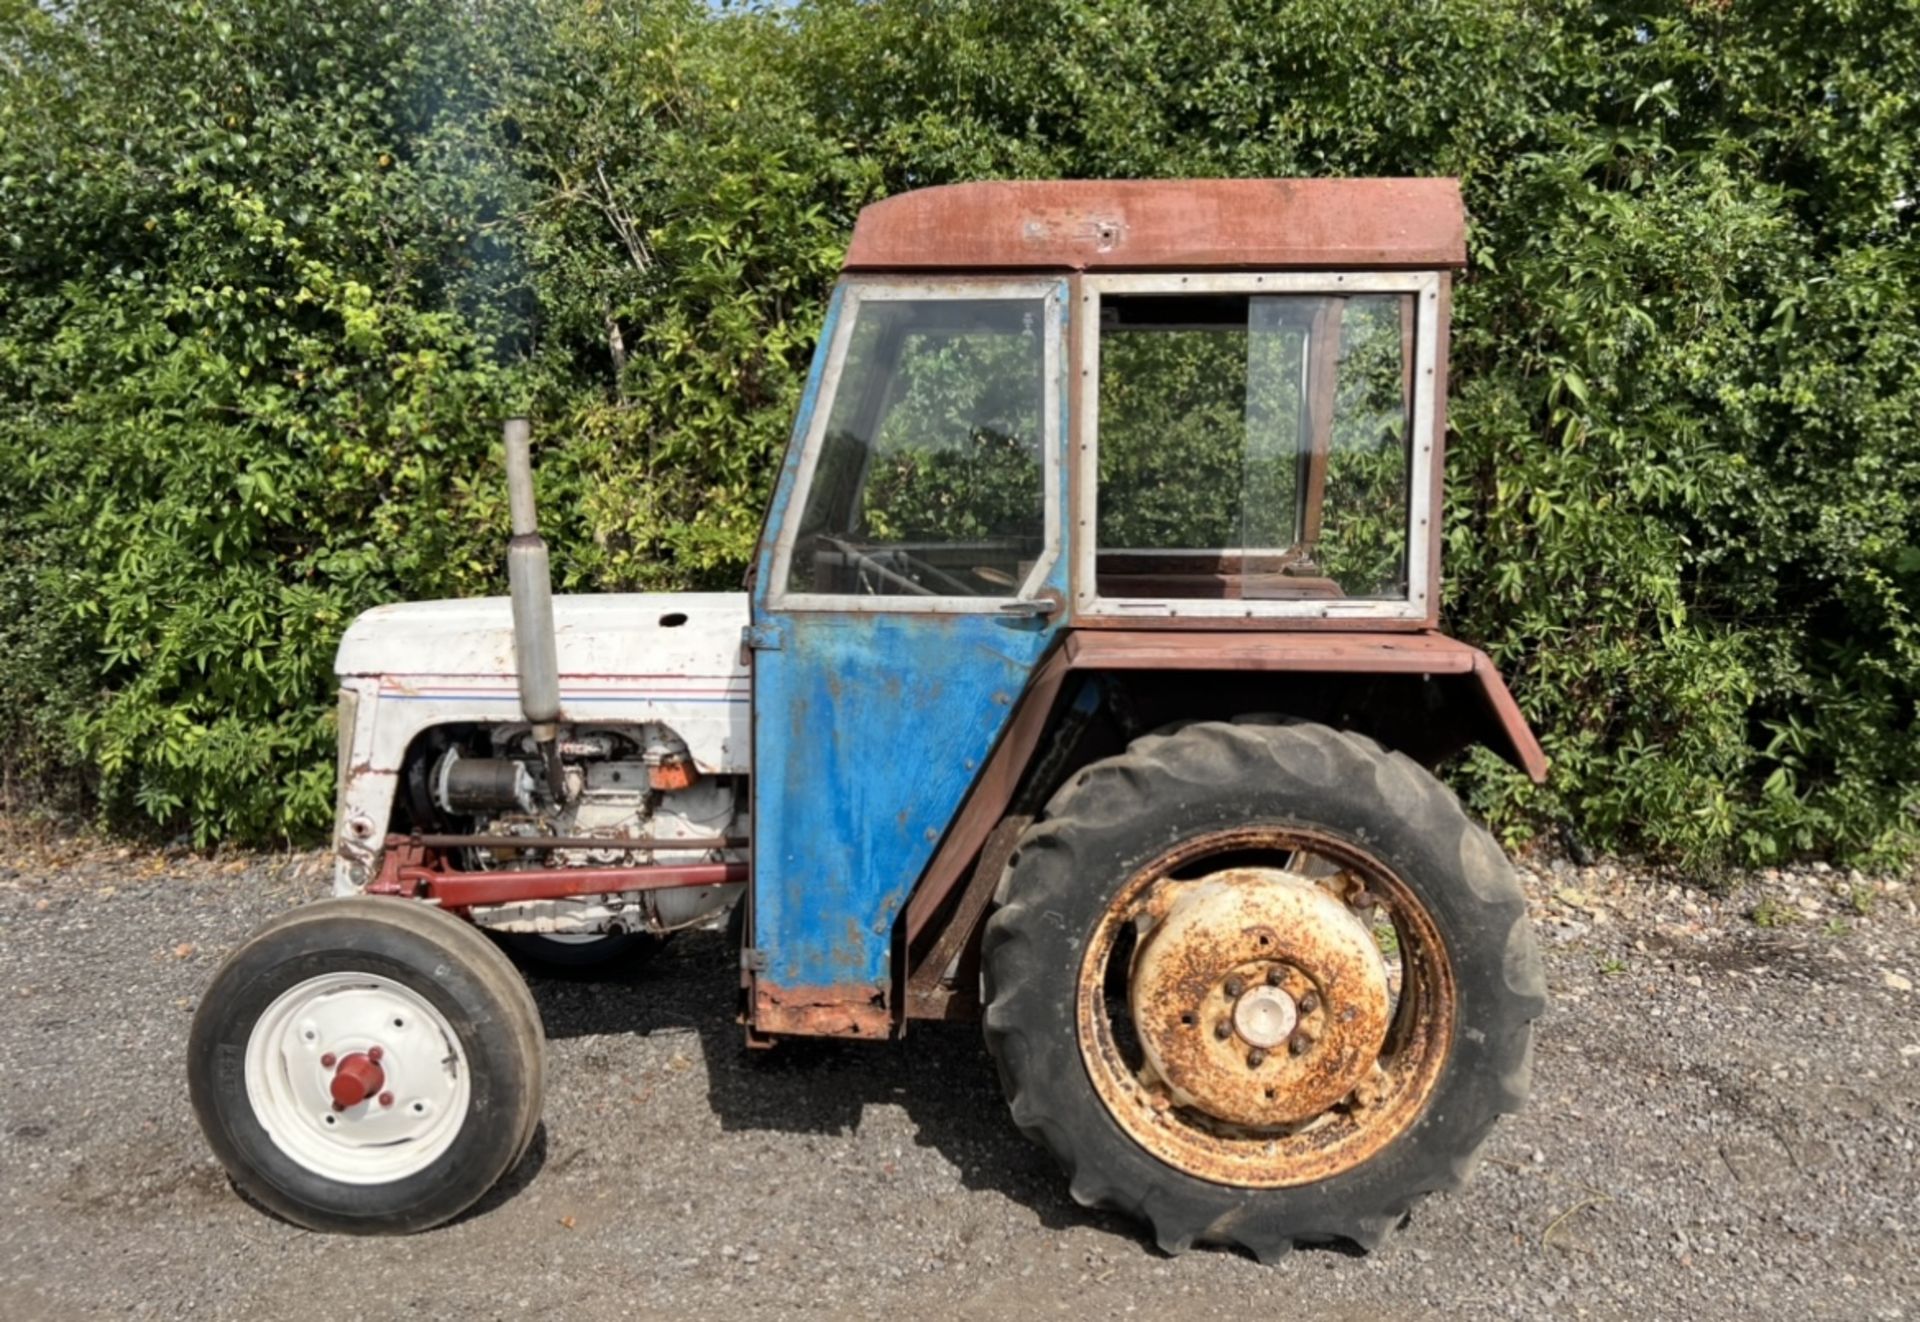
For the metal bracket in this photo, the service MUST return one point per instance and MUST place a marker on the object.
(752, 960)
(761, 638)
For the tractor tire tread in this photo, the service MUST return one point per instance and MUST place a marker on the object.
(1034, 894)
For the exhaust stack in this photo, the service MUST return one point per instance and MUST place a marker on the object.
(535, 652)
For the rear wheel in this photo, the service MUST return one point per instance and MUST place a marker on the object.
(367, 1065)
(1260, 985)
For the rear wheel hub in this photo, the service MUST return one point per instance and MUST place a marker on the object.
(1259, 998)
(1187, 981)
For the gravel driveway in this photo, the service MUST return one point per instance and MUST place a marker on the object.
(1725, 1117)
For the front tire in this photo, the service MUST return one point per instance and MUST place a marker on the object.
(1259, 985)
(367, 1066)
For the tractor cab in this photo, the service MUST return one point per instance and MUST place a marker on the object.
(1238, 444)
(1201, 418)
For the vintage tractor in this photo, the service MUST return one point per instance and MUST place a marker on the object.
(1086, 681)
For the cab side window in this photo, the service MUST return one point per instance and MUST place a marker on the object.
(1254, 446)
(930, 481)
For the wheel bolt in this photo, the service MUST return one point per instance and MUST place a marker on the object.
(1223, 1030)
(1275, 976)
(374, 1054)
(386, 1099)
(1235, 985)
(1256, 1058)
(326, 1061)
(1298, 1043)
(1363, 900)
(1309, 1003)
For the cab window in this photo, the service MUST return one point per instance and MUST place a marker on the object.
(929, 480)
(1253, 446)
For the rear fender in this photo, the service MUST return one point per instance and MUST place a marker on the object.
(1423, 694)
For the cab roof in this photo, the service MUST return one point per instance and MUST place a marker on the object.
(1166, 225)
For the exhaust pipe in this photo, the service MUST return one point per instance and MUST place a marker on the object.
(535, 653)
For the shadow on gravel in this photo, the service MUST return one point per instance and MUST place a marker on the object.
(940, 1075)
(513, 1181)
(504, 1191)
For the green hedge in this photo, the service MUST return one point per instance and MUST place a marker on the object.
(269, 273)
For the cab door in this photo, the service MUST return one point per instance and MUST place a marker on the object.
(910, 577)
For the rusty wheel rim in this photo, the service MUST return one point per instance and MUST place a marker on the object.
(1178, 1099)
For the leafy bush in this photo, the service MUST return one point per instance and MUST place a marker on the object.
(272, 276)
(269, 274)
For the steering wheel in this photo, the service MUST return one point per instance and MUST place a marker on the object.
(880, 570)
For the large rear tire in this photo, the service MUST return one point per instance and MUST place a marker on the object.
(1259, 985)
(367, 1066)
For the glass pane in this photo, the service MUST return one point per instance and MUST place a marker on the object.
(1254, 446)
(929, 480)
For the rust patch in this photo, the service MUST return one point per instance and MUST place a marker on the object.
(675, 774)
(928, 996)
(1523, 749)
(1351, 653)
(1166, 224)
(854, 1010)
(1259, 997)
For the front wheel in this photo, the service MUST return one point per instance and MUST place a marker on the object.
(1259, 985)
(366, 1065)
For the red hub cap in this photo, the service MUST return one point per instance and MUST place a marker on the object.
(357, 1078)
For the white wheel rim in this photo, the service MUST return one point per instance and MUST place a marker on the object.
(397, 1130)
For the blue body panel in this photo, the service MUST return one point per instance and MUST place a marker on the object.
(869, 728)
(868, 733)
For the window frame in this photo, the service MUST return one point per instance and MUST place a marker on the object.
(854, 293)
(1418, 605)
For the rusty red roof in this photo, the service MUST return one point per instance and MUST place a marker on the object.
(1165, 224)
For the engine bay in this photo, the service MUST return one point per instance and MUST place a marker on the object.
(631, 796)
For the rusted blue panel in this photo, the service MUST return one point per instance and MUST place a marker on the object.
(869, 728)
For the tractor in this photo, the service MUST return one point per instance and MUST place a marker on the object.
(1087, 681)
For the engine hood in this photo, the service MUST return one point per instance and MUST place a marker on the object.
(654, 634)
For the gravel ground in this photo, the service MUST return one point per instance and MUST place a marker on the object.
(1726, 1108)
